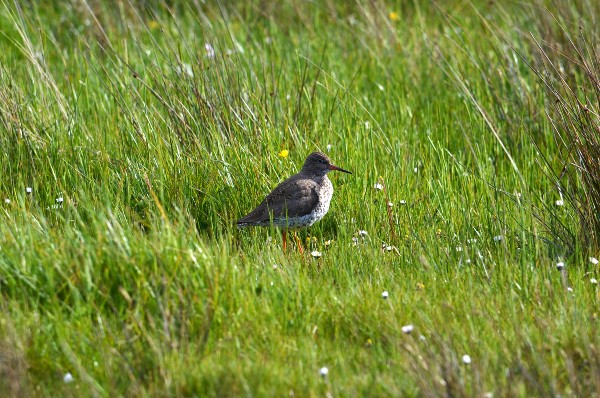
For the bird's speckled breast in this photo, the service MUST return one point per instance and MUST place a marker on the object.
(325, 194)
(322, 207)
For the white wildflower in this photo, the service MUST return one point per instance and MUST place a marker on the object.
(329, 146)
(316, 254)
(560, 265)
(210, 51)
(560, 202)
(466, 359)
(362, 232)
(323, 371)
(7, 201)
(60, 199)
(28, 190)
(68, 378)
(378, 186)
(403, 202)
(385, 294)
(498, 238)
(593, 281)
(407, 329)
(593, 260)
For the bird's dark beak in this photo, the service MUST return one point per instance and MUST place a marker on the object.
(332, 167)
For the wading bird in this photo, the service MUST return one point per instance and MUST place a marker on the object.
(297, 202)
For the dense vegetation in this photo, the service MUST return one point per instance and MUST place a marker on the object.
(134, 134)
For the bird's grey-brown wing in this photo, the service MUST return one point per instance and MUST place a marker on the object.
(292, 198)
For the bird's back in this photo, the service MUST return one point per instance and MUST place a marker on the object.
(291, 200)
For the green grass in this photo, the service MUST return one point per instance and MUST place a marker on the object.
(139, 283)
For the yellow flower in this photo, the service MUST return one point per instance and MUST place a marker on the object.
(394, 16)
(153, 25)
(284, 153)
(420, 286)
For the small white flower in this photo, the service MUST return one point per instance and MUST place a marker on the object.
(390, 204)
(403, 202)
(95, 364)
(407, 329)
(367, 125)
(468, 261)
(593, 281)
(68, 378)
(323, 371)
(60, 200)
(560, 202)
(7, 201)
(355, 240)
(458, 248)
(275, 266)
(593, 260)
(362, 232)
(422, 338)
(498, 238)
(389, 248)
(380, 87)
(466, 359)
(570, 289)
(385, 294)
(416, 170)
(378, 186)
(210, 51)
(28, 190)
(316, 254)
(329, 146)
(560, 265)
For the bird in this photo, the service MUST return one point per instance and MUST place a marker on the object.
(298, 202)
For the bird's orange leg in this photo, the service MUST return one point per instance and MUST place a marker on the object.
(299, 243)
(284, 236)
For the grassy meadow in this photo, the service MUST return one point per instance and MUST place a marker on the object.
(134, 133)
